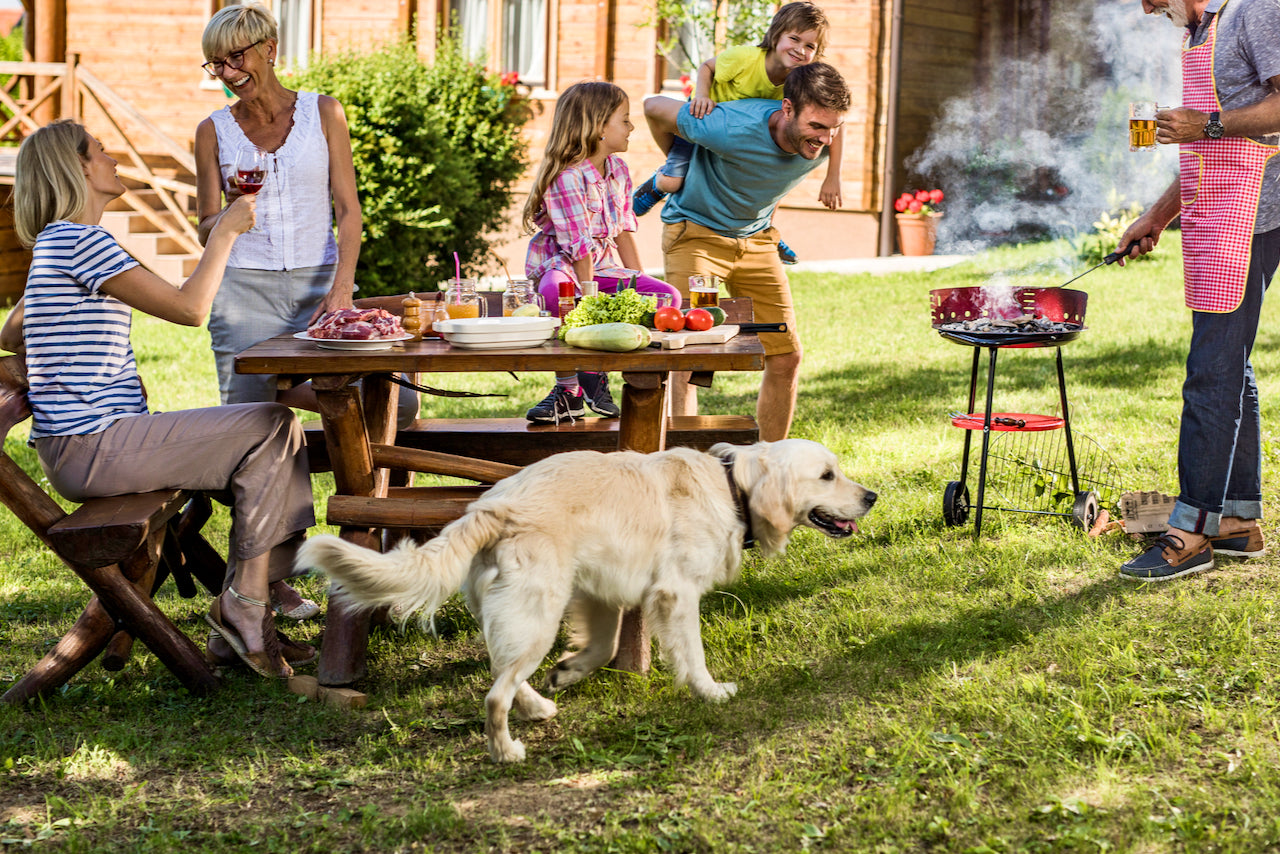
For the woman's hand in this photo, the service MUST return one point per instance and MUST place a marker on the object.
(239, 216)
(338, 298)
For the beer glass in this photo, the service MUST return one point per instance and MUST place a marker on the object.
(1142, 125)
(704, 291)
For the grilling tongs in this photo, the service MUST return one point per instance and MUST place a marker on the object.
(1110, 259)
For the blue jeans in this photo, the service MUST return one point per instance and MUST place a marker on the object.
(1219, 443)
(678, 158)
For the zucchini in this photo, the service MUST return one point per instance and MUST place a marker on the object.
(616, 337)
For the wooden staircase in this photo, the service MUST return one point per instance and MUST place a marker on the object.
(149, 234)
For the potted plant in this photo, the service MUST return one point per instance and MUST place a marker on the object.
(918, 215)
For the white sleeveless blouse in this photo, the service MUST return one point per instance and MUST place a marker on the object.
(295, 205)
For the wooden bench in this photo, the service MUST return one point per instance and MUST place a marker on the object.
(517, 442)
(123, 548)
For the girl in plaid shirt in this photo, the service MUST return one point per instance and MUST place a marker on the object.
(580, 211)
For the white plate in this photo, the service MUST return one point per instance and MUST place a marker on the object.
(502, 344)
(351, 343)
(496, 327)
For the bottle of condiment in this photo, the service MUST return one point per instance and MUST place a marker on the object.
(566, 301)
(412, 319)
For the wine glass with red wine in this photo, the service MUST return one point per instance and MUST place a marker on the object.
(251, 171)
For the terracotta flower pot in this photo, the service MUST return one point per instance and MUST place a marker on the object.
(917, 233)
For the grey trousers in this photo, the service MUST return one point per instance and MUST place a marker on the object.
(251, 456)
(254, 305)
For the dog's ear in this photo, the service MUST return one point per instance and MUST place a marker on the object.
(771, 488)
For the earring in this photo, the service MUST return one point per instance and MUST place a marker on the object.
(271, 62)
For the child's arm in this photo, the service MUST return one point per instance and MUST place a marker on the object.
(628, 254)
(829, 195)
(702, 103)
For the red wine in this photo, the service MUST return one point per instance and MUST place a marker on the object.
(250, 180)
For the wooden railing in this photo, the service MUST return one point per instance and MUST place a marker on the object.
(32, 89)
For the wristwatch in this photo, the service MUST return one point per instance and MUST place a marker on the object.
(1214, 128)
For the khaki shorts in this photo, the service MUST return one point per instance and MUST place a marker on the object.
(750, 267)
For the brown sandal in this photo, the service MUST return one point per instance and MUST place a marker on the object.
(265, 663)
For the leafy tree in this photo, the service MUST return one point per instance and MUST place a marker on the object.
(437, 149)
(699, 29)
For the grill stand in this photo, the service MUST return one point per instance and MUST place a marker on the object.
(956, 499)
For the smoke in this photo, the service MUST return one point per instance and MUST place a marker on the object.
(1042, 151)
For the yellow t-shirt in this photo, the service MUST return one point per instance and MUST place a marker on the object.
(740, 74)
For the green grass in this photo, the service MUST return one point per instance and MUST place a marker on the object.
(909, 690)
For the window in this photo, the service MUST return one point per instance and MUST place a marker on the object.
(295, 21)
(512, 34)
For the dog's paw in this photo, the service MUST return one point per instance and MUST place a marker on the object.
(718, 692)
(506, 752)
(561, 677)
(534, 707)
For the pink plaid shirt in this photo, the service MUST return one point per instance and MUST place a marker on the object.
(582, 212)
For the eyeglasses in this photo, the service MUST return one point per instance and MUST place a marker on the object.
(234, 61)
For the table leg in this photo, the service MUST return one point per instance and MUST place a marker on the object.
(346, 634)
(643, 428)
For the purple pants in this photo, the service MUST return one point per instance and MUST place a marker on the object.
(549, 287)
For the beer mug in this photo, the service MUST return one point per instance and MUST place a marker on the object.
(704, 291)
(462, 300)
(1142, 125)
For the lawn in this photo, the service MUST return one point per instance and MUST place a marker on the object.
(910, 689)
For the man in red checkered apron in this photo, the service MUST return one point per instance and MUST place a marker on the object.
(1228, 196)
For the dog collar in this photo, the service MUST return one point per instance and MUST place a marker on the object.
(740, 503)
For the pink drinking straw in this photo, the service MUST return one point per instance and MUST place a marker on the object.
(457, 267)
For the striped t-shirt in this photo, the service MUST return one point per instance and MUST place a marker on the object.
(79, 360)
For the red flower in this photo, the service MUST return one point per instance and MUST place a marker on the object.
(509, 78)
(919, 201)
(684, 78)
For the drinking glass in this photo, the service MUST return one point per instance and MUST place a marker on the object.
(704, 291)
(462, 300)
(1142, 125)
(251, 172)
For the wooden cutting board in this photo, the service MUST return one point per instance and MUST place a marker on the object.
(677, 340)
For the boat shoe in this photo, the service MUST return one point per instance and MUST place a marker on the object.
(1240, 538)
(1167, 559)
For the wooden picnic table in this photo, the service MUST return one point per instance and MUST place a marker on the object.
(357, 410)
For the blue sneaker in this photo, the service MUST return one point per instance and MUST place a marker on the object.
(1167, 559)
(786, 253)
(646, 196)
(595, 388)
(558, 406)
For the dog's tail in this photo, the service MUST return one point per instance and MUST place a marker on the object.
(410, 578)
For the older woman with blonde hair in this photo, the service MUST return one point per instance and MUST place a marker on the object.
(91, 426)
(290, 269)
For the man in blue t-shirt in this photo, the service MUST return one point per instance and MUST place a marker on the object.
(748, 155)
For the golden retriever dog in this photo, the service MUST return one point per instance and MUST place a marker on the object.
(600, 533)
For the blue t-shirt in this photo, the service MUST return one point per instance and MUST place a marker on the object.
(738, 174)
(80, 363)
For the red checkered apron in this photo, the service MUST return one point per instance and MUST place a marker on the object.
(1221, 182)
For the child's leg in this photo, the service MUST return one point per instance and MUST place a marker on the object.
(670, 176)
(646, 285)
(549, 287)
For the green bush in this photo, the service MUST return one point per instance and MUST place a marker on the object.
(436, 147)
(1107, 231)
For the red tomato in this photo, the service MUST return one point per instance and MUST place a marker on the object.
(698, 320)
(668, 319)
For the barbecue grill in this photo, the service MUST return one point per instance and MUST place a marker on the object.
(1010, 318)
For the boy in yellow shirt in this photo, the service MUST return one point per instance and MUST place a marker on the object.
(797, 36)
